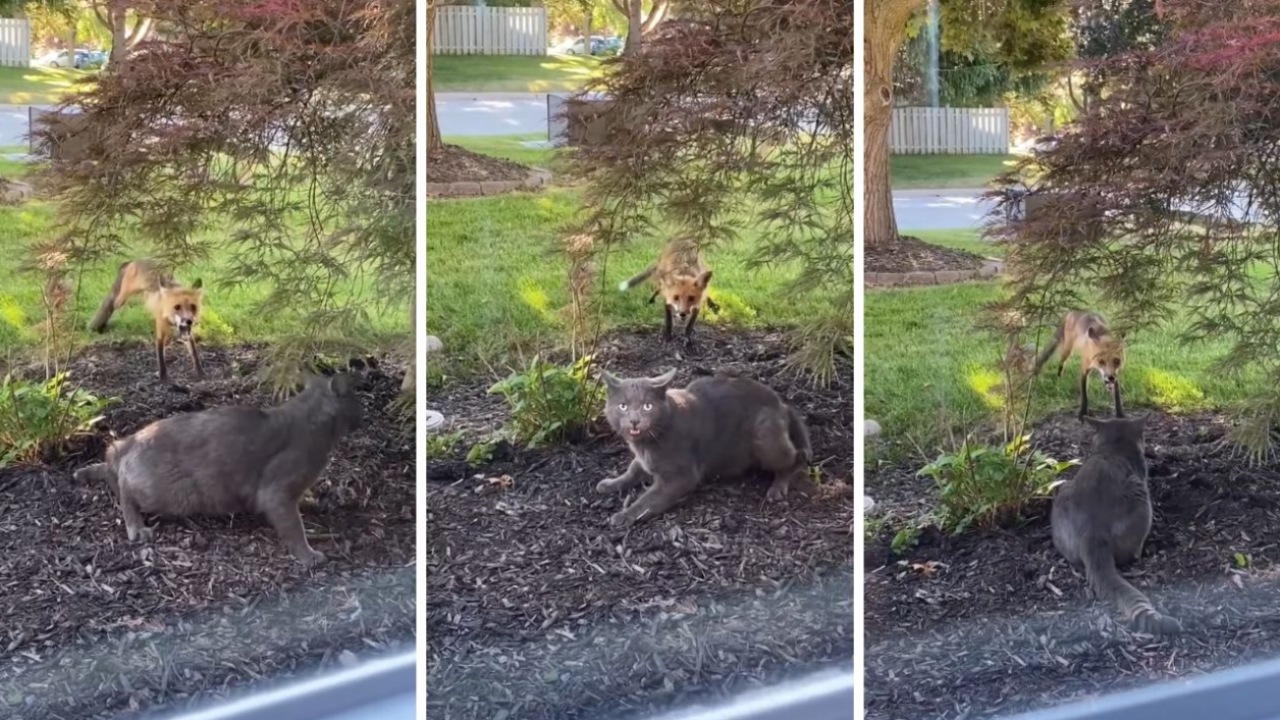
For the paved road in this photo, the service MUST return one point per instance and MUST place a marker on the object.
(13, 125)
(491, 113)
(939, 209)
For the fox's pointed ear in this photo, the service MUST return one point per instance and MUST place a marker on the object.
(704, 279)
(610, 380)
(662, 381)
(198, 284)
(1092, 333)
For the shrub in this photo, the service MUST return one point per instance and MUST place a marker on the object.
(984, 485)
(551, 402)
(38, 419)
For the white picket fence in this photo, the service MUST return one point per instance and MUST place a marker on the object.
(15, 43)
(462, 30)
(954, 131)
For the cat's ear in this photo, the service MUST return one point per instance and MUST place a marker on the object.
(1094, 422)
(662, 381)
(610, 380)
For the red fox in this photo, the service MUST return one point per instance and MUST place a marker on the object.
(176, 309)
(1086, 334)
(682, 280)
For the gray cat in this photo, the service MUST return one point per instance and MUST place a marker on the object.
(1101, 519)
(233, 459)
(715, 426)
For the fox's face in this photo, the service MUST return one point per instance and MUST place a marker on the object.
(1108, 360)
(684, 293)
(182, 308)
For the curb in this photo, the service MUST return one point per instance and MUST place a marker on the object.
(536, 180)
(923, 278)
(464, 96)
(939, 192)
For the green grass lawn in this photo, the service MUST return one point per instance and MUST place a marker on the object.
(506, 146)
(511, 73)
(946, 171)
(930, 373)
(230, 314)
(37, 86)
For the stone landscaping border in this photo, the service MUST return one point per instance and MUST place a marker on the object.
(990, 271)
(536, 179)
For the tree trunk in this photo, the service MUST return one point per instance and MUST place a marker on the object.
(656, 16)
(635, 25)
(886, 24)
(116, 16)
(586, 32)
(435, 144)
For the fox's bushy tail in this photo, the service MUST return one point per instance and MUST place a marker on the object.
(638, 278)
(1058, 336)
(98, 323)
(1110, 586)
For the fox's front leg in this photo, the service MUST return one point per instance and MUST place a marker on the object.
(634, 475)
(195, 355)
(688, 328)
(161, 338)
(1119, 407)
(666, 491)
(666, 330)
(1084, 393)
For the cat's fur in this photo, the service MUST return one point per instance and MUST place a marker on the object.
(233, 459)
(717, 426)
(1102, 516)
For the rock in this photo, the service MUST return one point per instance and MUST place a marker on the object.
(346, 658)
(872, 428)
(867, 504)
(434, 344)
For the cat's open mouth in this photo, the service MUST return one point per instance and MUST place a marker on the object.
(633, 432)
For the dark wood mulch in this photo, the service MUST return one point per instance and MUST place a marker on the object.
(537, 609)
(457, 164)
(995, 622)
(911, 254)
(95, 627)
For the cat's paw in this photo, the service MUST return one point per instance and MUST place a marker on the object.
(620, 519)
(777, 491)
(607, 485)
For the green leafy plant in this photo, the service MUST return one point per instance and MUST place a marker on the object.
(980, 485)
(481, 453)
(551, 402)
(38, 419)
(905, 539)
(443, 445)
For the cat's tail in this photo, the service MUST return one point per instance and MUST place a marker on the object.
(99, 472)
(1110, 586)
(799, 436)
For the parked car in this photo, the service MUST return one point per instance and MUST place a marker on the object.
(610, 46)
(81, 59)
(575, 46)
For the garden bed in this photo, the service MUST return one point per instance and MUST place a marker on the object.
(994, 622)
(538, 609)
(910, 254)
(95, 627)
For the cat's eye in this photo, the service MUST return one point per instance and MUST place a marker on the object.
(648, 407)
(622, 406)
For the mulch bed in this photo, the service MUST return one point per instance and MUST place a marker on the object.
(538, 609)
(911, 254)
(95, 627)
(457, 164)
(994, 622)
